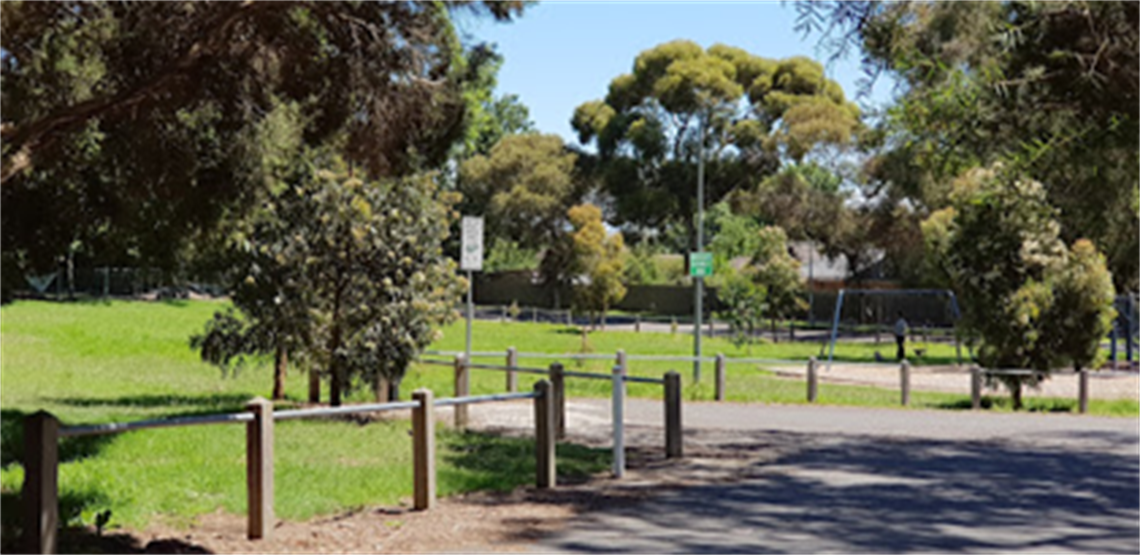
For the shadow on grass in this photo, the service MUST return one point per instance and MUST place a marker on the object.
(481, 461)
(1030, 405)
(214, 402)
(70, 448)
(77, 536)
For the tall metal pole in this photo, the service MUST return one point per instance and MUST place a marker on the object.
(699, 293)
(470, 312)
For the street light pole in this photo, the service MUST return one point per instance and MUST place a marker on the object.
(699, 291)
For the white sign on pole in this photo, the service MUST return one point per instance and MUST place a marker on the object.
(472, 255)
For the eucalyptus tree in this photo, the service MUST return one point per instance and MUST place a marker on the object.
(753, 113)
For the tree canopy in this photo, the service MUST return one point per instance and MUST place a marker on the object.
(1052, 88)
(345, 274)
(524, 186)
(752, 113)
(1030, 300)
(133, 127)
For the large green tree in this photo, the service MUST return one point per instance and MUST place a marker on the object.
(1029, 300)
(131, 127)
(752, 112)
(339, 272)
(523, 186)
(1051, 88)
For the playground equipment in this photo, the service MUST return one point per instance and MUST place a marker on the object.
(1126, 326)
(873, 309)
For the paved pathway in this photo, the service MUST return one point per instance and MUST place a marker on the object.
(830, 479)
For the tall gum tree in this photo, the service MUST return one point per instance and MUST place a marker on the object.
(753, 112)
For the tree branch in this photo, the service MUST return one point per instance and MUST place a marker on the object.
(27, 138)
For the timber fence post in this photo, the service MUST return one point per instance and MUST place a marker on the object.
(975, 387)
(512, 376)
(423, 449)
(673, 433)
(720, 363)
(904, 379)
(1083, 391)
(41, 482)
(812, 381)
(259, 468)
(544, 432)
(462, 389)
(558, 387)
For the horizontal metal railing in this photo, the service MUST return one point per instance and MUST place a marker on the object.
(472, 399)
(346, 409)
(118, 427)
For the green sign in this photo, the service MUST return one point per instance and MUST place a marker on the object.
(700, 264)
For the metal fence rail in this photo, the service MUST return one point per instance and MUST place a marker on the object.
(472, 399)
(348, 409)
(118, 427)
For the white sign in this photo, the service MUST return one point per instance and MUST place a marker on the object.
(471, 257)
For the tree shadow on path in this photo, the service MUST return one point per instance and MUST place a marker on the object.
(870, 494)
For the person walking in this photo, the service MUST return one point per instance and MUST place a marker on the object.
(901, 328)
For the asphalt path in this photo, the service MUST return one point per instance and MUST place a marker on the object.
(884, 481)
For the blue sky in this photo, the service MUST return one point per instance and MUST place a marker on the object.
(561, 54)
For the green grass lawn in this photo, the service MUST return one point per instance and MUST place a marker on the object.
(94, 362)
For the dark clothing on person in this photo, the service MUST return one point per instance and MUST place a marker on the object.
(901, 328)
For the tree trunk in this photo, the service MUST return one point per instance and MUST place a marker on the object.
(335, 377)
(314, 386)
(1015, 393)
(381, 389)
(280, 364)
(775, 336)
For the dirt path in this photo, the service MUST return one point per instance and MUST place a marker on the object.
(949, 379)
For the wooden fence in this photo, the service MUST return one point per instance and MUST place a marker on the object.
(43, 432)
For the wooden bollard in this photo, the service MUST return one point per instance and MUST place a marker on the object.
(512, 376)
(812, 381)
(423, 450)
(975, 387)
(720, 363)
(1083, 391)
(558, 396)
(637, 324)
(41, 482)
(673, 434)
(462, 389)
(544, 433)
(904, 382)
(621, 360)
(259, 468)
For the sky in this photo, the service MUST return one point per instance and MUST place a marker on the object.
(561, 54)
